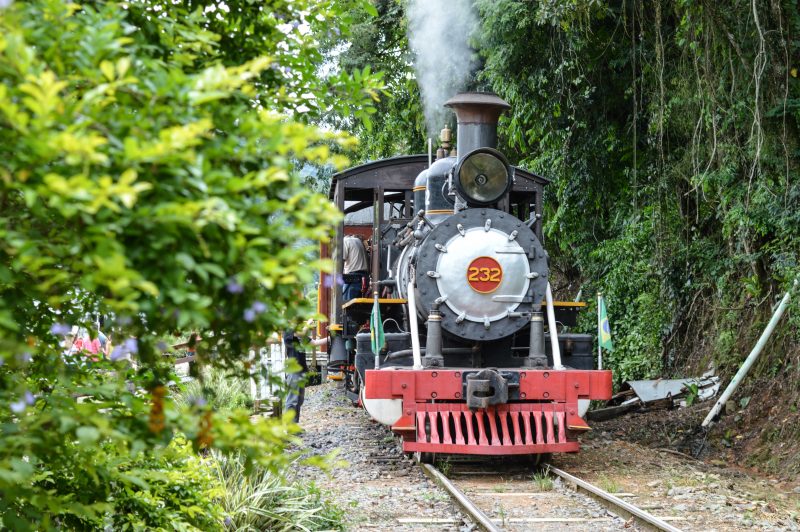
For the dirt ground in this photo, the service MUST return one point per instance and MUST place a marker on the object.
(646, 458)
(702, 495)
(733, 469)
(763, 437)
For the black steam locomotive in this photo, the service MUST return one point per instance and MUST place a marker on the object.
(458, 262)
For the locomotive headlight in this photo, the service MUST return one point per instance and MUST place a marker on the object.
(483, 176)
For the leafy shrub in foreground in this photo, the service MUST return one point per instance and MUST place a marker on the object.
(147, 172)
(224, 390)
(178, 491)
(261, 500)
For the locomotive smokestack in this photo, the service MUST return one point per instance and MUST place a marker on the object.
(477, 114)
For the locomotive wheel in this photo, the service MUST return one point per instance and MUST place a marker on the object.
(352, 386)
(538, 460)
(424, 458)
(357, 389)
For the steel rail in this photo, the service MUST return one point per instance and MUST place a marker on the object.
(626, 509)
(460, 498)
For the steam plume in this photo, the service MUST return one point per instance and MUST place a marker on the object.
(438, 32)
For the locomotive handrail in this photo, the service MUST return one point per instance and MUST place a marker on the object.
(412, 318)
(370, 301)
(551, 324)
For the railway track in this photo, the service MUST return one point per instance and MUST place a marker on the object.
(475, 506)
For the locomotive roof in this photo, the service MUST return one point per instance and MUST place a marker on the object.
(398, 173)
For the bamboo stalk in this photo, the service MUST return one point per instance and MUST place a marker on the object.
(751, 358)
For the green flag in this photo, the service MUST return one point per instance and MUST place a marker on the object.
(604, 329)
(376, 328)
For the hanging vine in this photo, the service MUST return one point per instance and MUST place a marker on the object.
(666, 196)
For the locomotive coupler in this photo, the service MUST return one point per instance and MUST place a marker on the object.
(489, 387)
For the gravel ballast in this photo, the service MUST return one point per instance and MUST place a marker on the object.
(379, 486)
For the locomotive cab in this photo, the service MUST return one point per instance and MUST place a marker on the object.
(462, 285)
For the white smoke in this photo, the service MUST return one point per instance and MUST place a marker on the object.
(439, 33)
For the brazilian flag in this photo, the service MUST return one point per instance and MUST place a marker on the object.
(376, 328)
(604, 329)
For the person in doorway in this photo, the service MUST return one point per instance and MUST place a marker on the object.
(355, 267)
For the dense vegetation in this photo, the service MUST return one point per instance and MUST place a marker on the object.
(669, 130)
(149, 155)
(148, 173)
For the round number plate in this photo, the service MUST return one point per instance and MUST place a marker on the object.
(484, 275)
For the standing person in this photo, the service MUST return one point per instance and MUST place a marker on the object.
(355, 267)
(105, 344)
(84, 343)
(296, 381)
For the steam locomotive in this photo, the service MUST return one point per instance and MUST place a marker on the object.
(461, 278)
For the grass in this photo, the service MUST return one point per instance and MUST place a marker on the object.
(501, 513)
(608, 484)
(262, 500)
(434, 496)
(223, 391)
(542, 481)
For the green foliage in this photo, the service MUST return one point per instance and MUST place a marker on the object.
(378, 40)
(670, 131)
(608, 484)
(261, 500)
(89, 462)
(224, 390)
(144, 152)
(542, 481)
(692, 393)
(445, 466)
(637, 327)
(149, 154)
(182, 492)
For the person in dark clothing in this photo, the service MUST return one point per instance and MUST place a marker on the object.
(296, 381)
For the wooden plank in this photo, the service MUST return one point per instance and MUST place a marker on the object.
(536, 494)
(444, 521)
(428, 521)
(611, 412)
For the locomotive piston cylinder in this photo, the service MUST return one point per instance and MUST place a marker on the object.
(433, 343)
(536, 354)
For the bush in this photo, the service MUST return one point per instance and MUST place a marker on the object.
(224, 390)
(262, 500)
(178, 491)
(148, 156)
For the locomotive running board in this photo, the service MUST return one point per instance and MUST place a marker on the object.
(524, 428)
